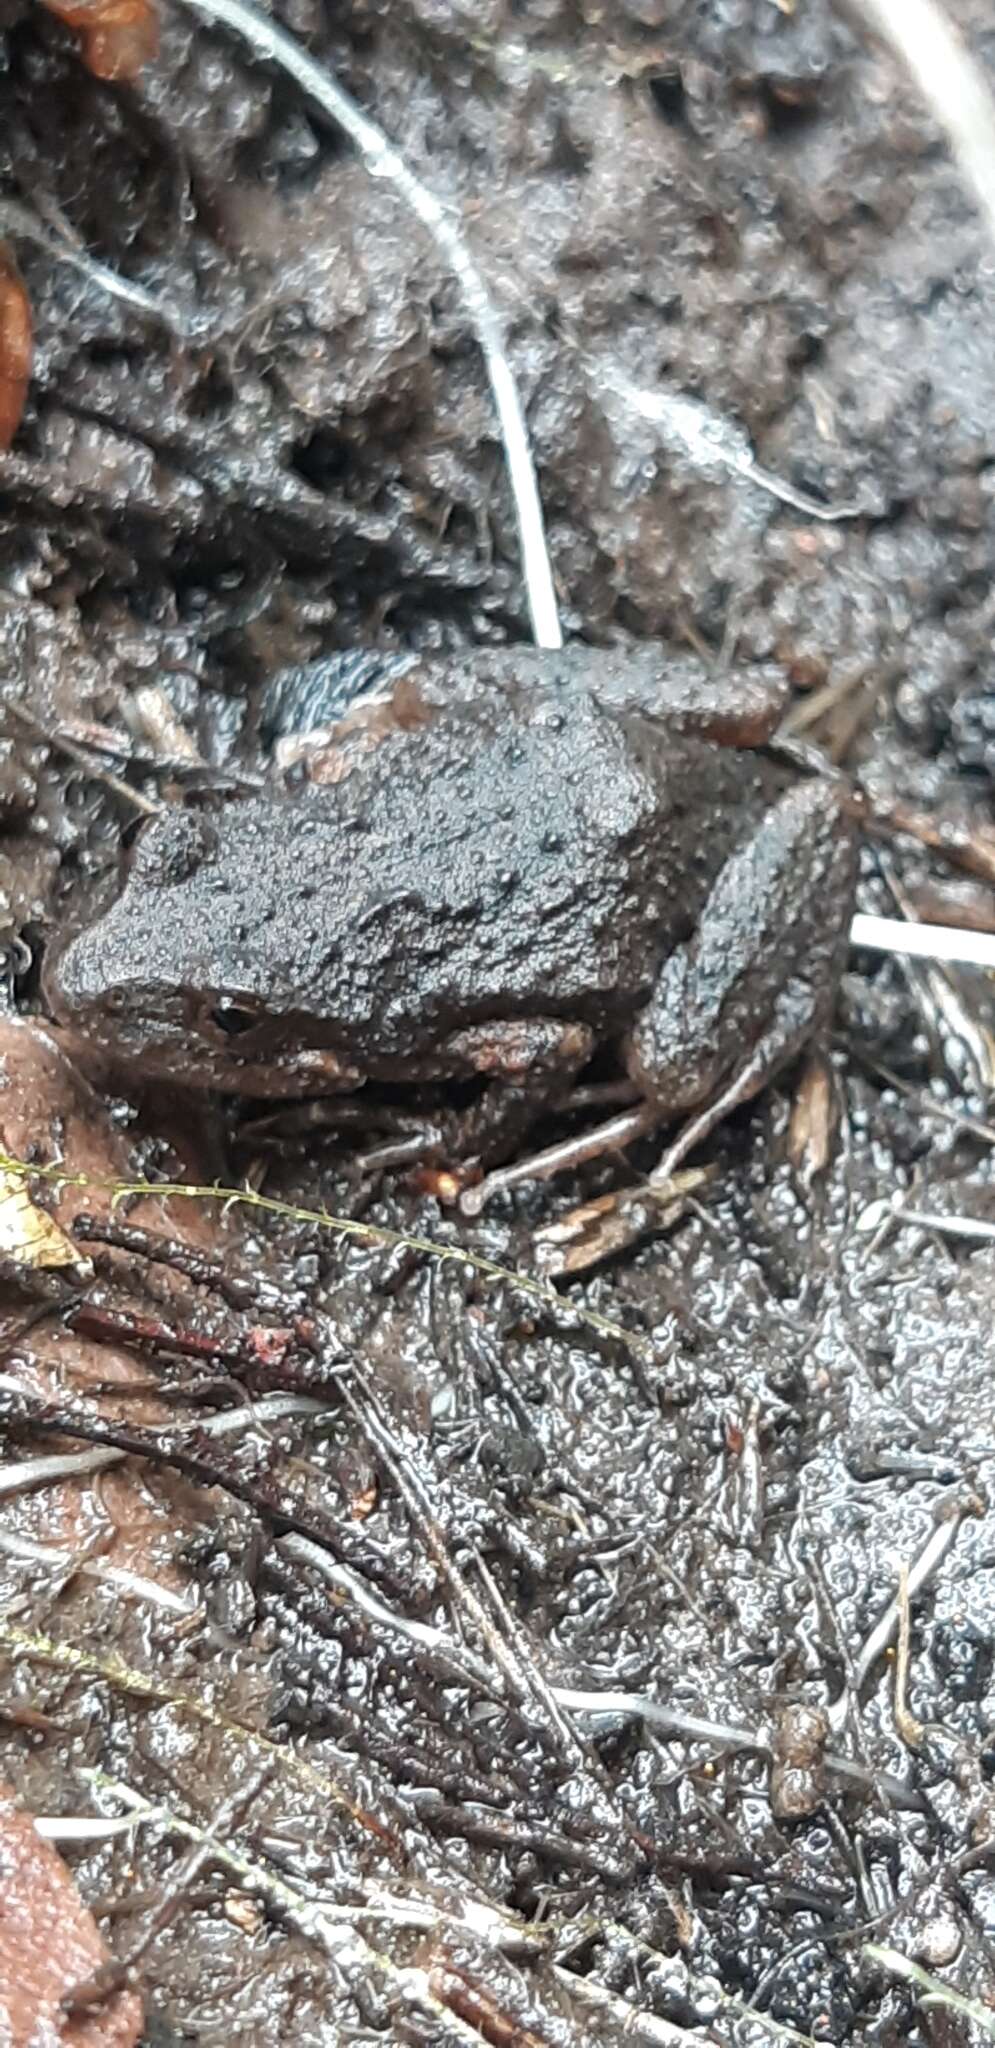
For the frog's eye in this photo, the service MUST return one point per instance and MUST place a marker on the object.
(172, 847)
(232, 1019)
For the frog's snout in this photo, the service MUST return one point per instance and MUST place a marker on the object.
(60, 979)
(74, 981)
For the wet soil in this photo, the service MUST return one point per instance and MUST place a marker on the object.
(412, 1839)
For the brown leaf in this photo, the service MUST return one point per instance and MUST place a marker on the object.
(49, 1944)
(118, 37)
(16, 346)
(813, 1119)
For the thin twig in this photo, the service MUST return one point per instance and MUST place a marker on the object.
(910, 1730)
(463, 1665)
(29, 1472)
(728, 1735)
(20, 223)
(347, 1227)
(924, 941)
(711, 443)
(887, 1212)
(126, 1678)
(934, 1990)
(201, 1853)
(382, 160)
(84, 759)
(923, 1567)
(621, 2021)
(53, 1557)
(950, 81)
(88, 1827)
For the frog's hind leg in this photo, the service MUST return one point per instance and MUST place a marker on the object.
(758, 977)
(740, 999)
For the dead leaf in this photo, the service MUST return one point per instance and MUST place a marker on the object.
(29, 1237)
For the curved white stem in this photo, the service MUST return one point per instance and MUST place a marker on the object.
(950, 81)
(382, 160)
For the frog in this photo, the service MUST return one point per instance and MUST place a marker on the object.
(501, 864)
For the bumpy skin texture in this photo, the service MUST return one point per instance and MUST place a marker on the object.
(491, 887)
(759, 975)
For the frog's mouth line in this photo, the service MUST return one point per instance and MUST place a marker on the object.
(226, 1045)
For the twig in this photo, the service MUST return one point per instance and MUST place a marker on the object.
(53, 1557)
(76, 1464)
(727, 1735)
(186, 1453)
(925, 941)
(619, 2019)
(887, 1213)
(89, 1827)
(950, 81)
(117, 1971)
(922, 1569)
(354, 1227)
(251, 1742)
(925, 1103)
(462, 1666)
(513, 1660)
(910, 1730)
(84, 759)
(936, 1992)
(711, 443)
(20, 223)
(382, 160)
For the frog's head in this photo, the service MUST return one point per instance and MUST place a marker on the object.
(167, 979)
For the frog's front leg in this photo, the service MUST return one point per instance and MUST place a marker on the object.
(741, 998)
(529, 1062)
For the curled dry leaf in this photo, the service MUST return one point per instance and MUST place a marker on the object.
(29, 1237)
(601, 1228)
(813, 1120)
(118, 37)
(797, 1784)
(16, 346)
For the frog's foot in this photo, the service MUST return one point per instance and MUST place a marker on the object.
(567, 1155)
(530, 1063)
(599, 1230)
(730, 1008)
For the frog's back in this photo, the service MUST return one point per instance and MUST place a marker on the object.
(479, 866)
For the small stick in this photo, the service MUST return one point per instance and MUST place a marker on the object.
(910, 1730)
(80, 755)
(917, 1575)
(19, 222)
(382, 160)
(924, 941)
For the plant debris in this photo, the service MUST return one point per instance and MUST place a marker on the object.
(413, 1626)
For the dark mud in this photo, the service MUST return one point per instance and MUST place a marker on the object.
(741, 204)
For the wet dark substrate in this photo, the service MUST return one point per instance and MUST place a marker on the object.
(739, 203)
